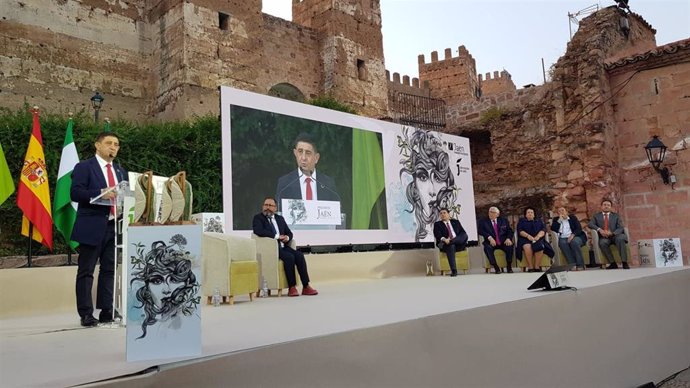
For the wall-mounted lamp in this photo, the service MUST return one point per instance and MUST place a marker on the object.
(96, 103)
(656, 152)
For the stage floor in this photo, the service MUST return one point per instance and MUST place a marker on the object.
(55, 351)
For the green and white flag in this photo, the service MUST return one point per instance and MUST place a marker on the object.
(6, 182)
(65, 211)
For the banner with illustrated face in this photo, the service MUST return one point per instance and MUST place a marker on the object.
(389, 180)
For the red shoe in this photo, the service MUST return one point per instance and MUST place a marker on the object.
(309, 291)
(293, 291)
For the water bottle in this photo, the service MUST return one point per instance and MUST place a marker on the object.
(264, 288)
(216, 297)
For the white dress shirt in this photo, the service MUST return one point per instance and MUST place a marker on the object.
(303, 184)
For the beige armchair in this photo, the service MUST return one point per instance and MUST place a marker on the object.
(271, 267)
(229, 264)
(462, 261)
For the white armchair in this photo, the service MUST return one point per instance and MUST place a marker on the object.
(271, 267)
(229, 264)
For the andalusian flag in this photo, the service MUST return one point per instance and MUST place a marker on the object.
(33, 196)
(65, 211)
(368, 180)
(6, 182)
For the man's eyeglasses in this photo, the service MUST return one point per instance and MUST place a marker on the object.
(269, 205)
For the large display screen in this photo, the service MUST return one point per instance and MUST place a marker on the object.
(339, 178)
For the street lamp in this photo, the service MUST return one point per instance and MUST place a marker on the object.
(656, 152)
(96, 103)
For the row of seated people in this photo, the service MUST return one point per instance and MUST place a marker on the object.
(496, 234)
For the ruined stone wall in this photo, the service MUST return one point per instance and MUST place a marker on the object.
(499, 83)
(351, 51)
(451, 79)
(56, 54)
(465, 112)
(655, 100)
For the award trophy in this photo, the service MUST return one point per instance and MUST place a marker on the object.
(121, 190)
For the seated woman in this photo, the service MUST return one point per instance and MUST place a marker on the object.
(531, 234)
(570, 238)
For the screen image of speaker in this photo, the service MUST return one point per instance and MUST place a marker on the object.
(555, 278)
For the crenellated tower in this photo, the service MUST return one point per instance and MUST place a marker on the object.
(451, 79)
(351, 50)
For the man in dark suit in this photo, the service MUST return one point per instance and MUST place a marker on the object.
(450, 238)
(497, 234)
(94, 228)
(269, 224)
(303, 183)
(610, 227)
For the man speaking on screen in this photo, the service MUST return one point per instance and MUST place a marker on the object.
(304, 183)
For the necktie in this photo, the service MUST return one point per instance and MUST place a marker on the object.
(111, 183)
(498, 239)
(450, 233)
(310, 195)
(606, 221)
(270, 222)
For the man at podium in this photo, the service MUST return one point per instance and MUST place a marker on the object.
(94, 227)
(304, 183)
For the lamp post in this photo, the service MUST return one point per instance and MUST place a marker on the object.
(656, 152)
(96, 103)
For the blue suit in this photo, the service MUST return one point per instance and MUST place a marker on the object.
(505, 232)
(95, 235)
(263, 227)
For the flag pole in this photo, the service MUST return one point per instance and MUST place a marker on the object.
(31, 233)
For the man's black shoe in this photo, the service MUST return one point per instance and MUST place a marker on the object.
(107, 316)
(89, 321)
(593, 265)
(612, 266)
(510, 269)
(454, 273)
(625, 265)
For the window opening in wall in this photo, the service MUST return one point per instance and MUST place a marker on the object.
(223, 21)
(361, 70)
(656, 86)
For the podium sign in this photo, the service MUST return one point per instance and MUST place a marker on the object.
(661, 252)
(313, 212)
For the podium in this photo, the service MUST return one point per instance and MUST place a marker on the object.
(312, 214)
(121, 191)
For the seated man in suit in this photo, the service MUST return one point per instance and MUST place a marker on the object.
(570, 237)
(303, 183)
(497, 234)
(450, 237)
(609, 225)
(269, 224)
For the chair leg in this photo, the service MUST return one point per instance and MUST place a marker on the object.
(251, 296)
(209, 299)
(231, 300)
(280, 293)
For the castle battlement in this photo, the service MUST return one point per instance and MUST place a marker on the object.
(500, 82)
(405, 79)
(463, 55)
(496, 76)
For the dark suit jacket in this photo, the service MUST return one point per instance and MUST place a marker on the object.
(288, 187)
(87, 182)
(261, 226)
(575, 227)
(615, 223)
(486, 229)
(440, 231)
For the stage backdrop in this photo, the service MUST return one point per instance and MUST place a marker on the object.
(389, 179)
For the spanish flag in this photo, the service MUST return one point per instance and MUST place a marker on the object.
(33, 196)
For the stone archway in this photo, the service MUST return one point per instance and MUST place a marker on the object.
(286, 91)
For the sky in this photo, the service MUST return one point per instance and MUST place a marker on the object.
(512, 35)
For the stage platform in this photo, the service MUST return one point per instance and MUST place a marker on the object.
(620, 328)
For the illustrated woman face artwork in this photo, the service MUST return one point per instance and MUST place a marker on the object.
(167, 284)
(433, 185)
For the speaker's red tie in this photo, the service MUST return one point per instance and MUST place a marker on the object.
(310, 195)
(111, 183)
